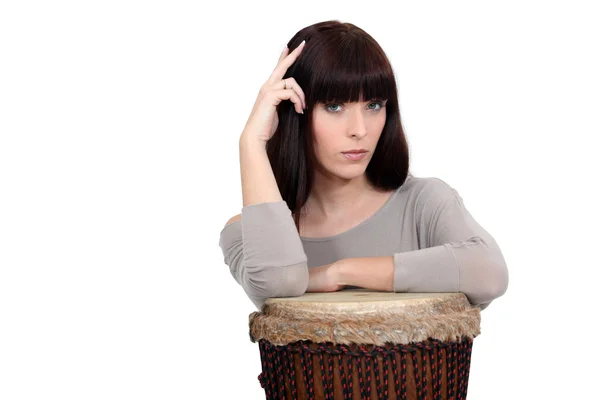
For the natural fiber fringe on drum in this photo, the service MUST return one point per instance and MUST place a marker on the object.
(445, 321)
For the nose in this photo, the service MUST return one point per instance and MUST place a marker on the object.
(356, 124)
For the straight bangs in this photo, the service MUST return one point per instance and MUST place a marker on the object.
(354, 70)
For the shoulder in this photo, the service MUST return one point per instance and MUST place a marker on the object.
(231, 236)
(233, 219)
(431, 195)
(430, 188)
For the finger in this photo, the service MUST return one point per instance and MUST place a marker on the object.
(287, 94)
(292, 84)
(285, 63)
(283, 54)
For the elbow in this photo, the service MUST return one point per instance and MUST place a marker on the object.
(491, 285)
(277, 281)
(496, 284)
(484, 277)
(293, 281)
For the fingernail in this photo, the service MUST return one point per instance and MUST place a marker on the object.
(302, 43)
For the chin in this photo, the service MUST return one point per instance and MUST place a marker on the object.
(349, 172)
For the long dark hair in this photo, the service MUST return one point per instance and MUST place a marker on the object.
(339, 63)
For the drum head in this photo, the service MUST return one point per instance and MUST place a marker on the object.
(366, 317)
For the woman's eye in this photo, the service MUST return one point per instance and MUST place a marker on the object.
(331, 105)
(376, 103)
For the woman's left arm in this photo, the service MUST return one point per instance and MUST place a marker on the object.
(457, 255)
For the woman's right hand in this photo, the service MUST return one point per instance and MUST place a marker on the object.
(263, 121)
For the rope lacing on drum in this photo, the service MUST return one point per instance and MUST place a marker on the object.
(278, 368)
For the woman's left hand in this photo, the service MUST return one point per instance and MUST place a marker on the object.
(324, 278)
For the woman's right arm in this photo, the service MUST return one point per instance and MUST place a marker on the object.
(264, 251)
(258, 181)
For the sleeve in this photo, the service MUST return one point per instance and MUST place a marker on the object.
(264, 252)
(455, 253)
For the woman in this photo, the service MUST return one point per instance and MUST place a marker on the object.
(328, 199)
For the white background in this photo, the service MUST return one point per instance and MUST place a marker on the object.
(119, 167)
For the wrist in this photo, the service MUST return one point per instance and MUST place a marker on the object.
(250, 141)
(340, 272)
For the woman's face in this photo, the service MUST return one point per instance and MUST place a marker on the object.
(339, 127)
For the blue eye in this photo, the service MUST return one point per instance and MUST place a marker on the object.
(329, 105)
(377, 103)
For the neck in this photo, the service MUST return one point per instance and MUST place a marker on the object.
(333, 198)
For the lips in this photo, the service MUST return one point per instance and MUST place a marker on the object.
(355, 156)
(354, 152)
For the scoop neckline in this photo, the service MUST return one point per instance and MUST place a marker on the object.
(363, 223)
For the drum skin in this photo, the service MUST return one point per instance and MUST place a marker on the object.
(361, 344)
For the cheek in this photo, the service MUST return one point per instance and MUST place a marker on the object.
(325, 138)
(381, 121)
(378, 128)
(324, 145)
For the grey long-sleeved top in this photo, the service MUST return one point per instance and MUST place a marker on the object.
(436, 244)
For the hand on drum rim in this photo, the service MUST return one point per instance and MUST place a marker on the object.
(324, 278)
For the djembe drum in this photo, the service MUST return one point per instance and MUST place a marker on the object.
(361, 344)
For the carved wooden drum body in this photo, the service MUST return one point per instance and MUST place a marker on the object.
(361, 344)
